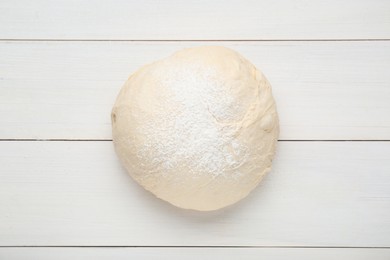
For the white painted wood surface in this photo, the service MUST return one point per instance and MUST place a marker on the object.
(195, 19)
(76, 194)
(324, 90)
(62, 64)
(194, 253)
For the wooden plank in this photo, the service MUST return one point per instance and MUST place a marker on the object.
(76, 193)
(65, 90)
(194, 19)
(194, 253)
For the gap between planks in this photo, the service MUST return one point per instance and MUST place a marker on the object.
(173, 246)
(110, 140)
(194, 40)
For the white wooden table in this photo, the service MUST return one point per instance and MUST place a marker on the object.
(64, 195)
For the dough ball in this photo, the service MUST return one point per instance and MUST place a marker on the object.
(197, 129)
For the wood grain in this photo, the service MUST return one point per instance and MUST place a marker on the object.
(194, 253)
(194, 19)
(76, 193)
(65, 90)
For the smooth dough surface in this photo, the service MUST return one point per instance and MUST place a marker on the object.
(197, 129)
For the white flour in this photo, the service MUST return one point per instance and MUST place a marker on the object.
(193, 135)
